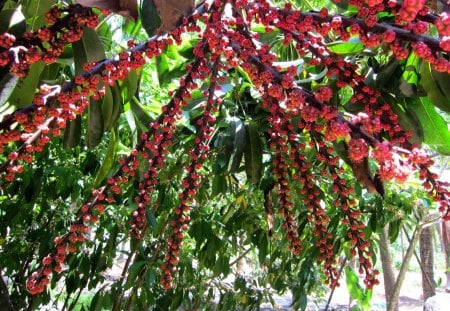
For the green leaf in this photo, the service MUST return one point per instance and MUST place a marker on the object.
(12, 21)
(394, 230)
(95, 124)
(356, 291)
(435, 86)
(88, 49)
(219, 185)
(352, 46)
(139, 112)
(436, 133)
(386, 76)
(170, 65)
(72, 133)
(410, 78)
(151, 218)
(150, 278)
(117, 106)
(149, 17)
(109, 159)
(35, 11)
(443, 82)
(7, 86)
(129, 85)
(253, 154)
(108, 109)
(407, 118)
(236, 143)
(23, 93)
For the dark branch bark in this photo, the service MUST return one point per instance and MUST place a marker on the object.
(5, 301)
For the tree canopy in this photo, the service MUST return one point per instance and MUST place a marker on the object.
(176, 137)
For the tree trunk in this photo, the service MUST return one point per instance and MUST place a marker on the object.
(388, 266)
(393, 299)
(427, 262)
(445, 240)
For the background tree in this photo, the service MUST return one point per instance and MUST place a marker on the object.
(251, 127)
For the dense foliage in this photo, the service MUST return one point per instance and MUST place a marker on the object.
(253, 128)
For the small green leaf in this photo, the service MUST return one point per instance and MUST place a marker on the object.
(352, 46)
(394, 230)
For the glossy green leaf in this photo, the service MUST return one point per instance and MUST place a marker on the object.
(109, 160)
(72, 133)
(170, 65)
(385, 76)
(107, 109)
(253, 154)
(7, 86)
(88, 49)
(410, 78)
(219, 185)
(35, 11)
(434, 87)
(408, 119)
(394, 230)
(149, 17)
(356, 291)
(150, 278)
(140, 113)
(23, 94)
(129, 85)
(117, 106)
(235, 144)
(94, 124)
(352, 46)
(151, 218)
(12, 21)
(436, 133)
(443, 83)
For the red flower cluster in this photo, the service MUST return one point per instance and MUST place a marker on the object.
(302, 122)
